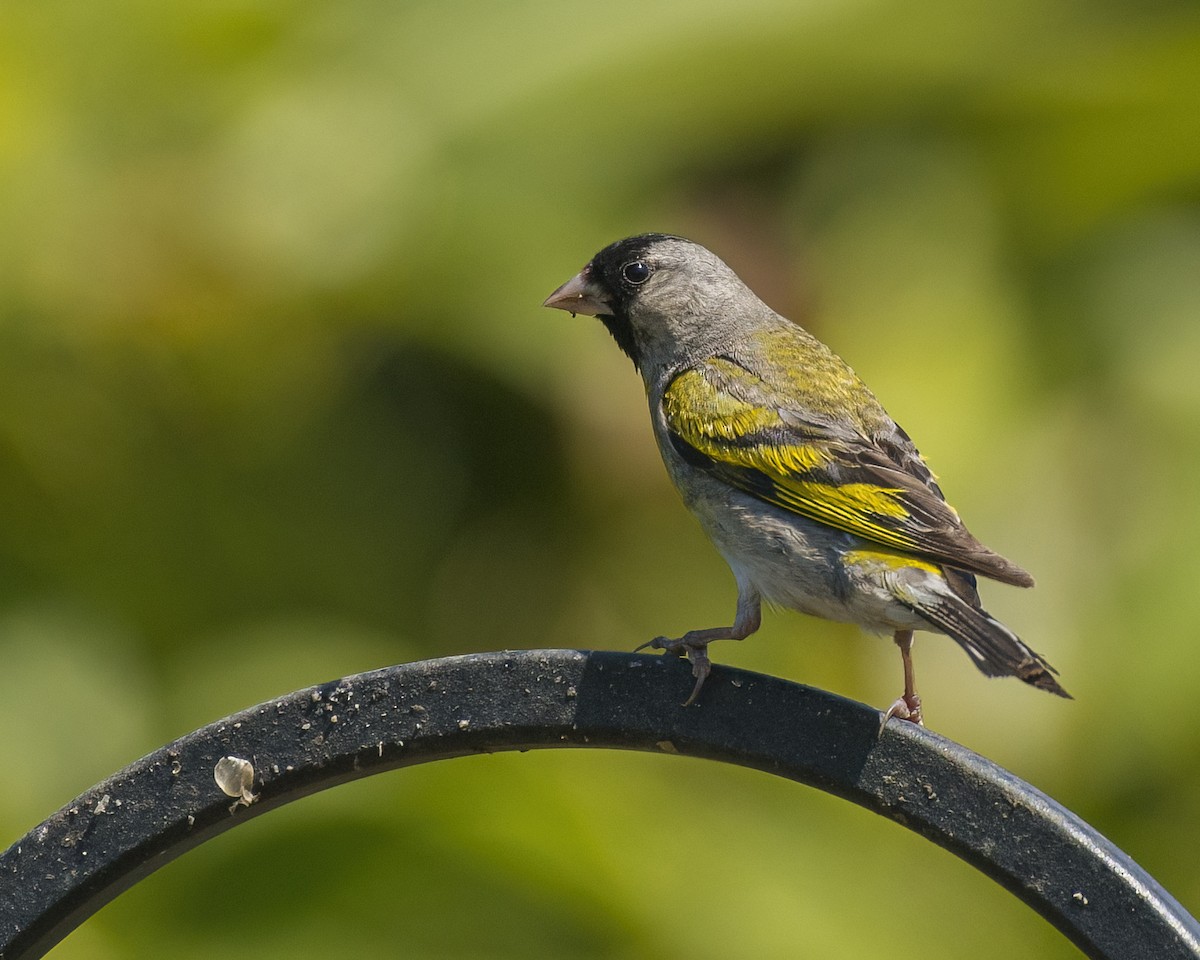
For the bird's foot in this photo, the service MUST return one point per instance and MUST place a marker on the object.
(694, 648)
(907, 707)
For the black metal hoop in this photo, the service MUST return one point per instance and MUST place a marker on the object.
(168, 802)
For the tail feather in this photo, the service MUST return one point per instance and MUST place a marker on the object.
(995, 649)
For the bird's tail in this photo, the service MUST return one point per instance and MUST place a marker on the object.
(996, 650)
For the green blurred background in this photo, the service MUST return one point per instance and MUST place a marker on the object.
(278, 403)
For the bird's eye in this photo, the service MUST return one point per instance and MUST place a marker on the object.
(636, 271)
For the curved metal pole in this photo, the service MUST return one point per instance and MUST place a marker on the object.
(168, 802)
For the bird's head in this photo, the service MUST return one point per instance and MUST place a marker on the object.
(663, 298)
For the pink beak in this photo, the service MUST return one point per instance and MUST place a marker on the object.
(579, 295)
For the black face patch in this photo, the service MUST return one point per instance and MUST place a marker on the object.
(608, 271)
(608, 267)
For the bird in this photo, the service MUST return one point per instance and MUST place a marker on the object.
(815, 497)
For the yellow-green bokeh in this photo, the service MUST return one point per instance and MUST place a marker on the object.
(278, 403)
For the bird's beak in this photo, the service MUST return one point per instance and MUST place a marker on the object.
(579, 295)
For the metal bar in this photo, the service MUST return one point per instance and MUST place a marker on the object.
(168, 802)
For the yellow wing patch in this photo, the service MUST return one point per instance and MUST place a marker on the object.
(849, 506)
(887, 560)
(721, 426)
(742, 440)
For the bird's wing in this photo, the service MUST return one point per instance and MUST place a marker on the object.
(758, 437)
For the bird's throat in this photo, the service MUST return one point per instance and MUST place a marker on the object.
(622, 332)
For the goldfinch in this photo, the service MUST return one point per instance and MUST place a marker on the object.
(818, 501)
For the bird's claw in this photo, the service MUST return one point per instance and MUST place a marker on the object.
(678, 647)
(695, 650)
(907, 707)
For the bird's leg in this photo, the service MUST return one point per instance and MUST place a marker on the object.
(908, 707)
(694, 643)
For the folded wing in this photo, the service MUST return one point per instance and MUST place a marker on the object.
(757, 436)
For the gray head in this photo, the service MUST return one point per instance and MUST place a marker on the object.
(663, 299)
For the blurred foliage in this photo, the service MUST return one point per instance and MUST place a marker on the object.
(278, 404)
